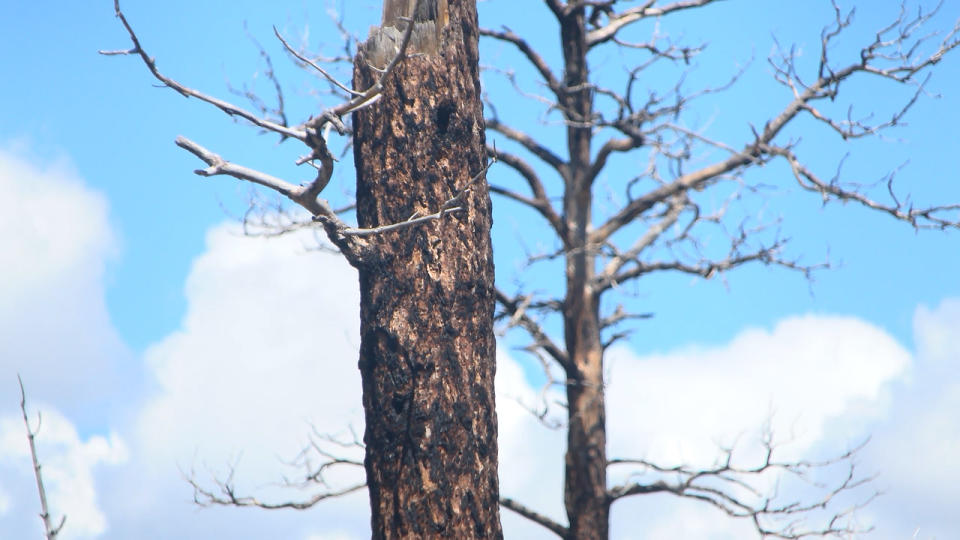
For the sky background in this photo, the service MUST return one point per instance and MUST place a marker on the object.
(156, 340)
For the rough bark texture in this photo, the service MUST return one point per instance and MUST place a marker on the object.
(585, 486)
(427, 353)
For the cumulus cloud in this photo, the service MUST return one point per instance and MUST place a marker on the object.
(805, 372)
(915, 449)
(57, 335)
(266, 353)
(267, 348)
(56, 241)
(797, 380)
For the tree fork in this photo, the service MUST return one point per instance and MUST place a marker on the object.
(427, 351)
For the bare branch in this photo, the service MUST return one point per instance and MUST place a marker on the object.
(618, 21)
(314, 65)
(228, 496)
(225, 492)
(613, 145)
(539, 202)
(529, 143)
(732, 489)
(226, 107)
(304, 195)
(517, 310)
(533, 56)
(49, 528)
(931, 217)
(533, 516)
(905, 66)
(609, 274)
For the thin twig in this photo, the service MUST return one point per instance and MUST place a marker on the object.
(49, 529)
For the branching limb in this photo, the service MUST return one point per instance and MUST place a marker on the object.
(226, 107)
(895, 58)
(932, 217)
(670, 217)
(623, 144)
(532, 55)
(49, 528)
(516, 308)
(736, 491)
(225, 492)
(226, 495)
(534, 516)
(296, 54)
(304, 195)
(707, 268)
(539, 200)
(528, 142)
(618, 21)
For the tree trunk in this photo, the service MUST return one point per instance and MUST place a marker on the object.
(585, 482)
(427, 348)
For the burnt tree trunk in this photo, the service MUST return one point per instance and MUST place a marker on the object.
(427, 347)
(585, 482)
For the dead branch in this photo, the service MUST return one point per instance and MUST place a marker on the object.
(732, 489)
(227, 496)
(226, 107)
(517, 310)
(539, 200)
(507, 35)
(895, 59)
(618, 21)
(534, 516)
(932, 217)
(313, 477)
(278, 111)
(49, 529)
(344, 237)
(528, 142)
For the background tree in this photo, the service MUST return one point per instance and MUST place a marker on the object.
(668, 212)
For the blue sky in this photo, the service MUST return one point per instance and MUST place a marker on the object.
(155, 338)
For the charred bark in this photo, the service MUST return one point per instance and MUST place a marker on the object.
(427, 348)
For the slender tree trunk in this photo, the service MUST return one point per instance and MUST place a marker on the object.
(585, 488)
(427, 347)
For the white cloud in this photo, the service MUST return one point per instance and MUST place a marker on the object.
(803, 376)
(915, 449)
(267, 349)
(56, 333)
(56, 329)
(806, 372)
(268, 345)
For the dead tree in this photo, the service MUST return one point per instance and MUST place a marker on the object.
(422, 248)
(665, 213)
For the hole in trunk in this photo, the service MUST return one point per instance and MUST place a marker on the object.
(444, 111)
